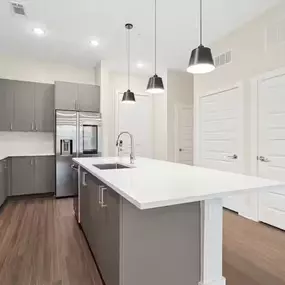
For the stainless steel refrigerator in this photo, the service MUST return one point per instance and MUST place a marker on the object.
(77, 134)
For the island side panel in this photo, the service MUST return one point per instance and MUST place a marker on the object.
(160, 246)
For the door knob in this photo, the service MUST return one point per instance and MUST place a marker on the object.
(263, 159)
(234, 156)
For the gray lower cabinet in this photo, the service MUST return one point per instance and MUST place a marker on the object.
(32, 175)
(65, 95)
(23, 119)
(132, 246)
(44, 173)
(3, 193)
(6, 105)
(88, 98)
(44, 107)
(22, 176)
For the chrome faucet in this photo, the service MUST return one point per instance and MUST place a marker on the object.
(132, 154)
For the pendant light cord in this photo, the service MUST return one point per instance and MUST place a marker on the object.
(201, 22)
(129, 56)
(154, 36)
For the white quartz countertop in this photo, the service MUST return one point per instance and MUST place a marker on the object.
(155, 183)
(4, 155)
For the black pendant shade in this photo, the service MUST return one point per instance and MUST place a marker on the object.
(129, 97)
(155, 85)
(201, 60)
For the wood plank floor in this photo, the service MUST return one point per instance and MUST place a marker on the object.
(254, 253)
(41, 244)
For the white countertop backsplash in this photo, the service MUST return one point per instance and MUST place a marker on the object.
(26, 144)
(156, 183)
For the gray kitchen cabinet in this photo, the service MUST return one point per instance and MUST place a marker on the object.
(22, 176)
(32, 175)
(66, 95)
(6, 104)
(88, 98)
(7, 166)
(23, 119)
(3, 193)
(44, 107)
(44, 171)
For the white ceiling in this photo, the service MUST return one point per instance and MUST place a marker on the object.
(71, 24)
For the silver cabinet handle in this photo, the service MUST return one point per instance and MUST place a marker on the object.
(234, 156)
(263, 159)
(101, 196)
(32, 126)
(84, 179)
(5, 164)
(11, 126)
(31, 161)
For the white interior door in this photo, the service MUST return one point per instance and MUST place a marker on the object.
(271, 147)
(138, 120)
(184, 134)
(221, 134)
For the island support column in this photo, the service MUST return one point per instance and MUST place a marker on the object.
(212, 242)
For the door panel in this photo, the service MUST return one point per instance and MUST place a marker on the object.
(184, 135)
(65, 95)
(6, 105)
(44, 107)
(23, 106)
(22, 176)
(271, 142)
(221, 134)
(2, 182)
(88, 98)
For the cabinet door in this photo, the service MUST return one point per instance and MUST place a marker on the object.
(65, 95)
(22, 176)
(88, 98)
(95, 212)
(44, 174)
(2, 183)
(6, 105)
(23, 106)
(44, 107)
(111, 236)
(84, 204)
(7, 175)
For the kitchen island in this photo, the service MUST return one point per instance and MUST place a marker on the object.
(157, 222)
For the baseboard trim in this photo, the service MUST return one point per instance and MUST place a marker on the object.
(215, 282)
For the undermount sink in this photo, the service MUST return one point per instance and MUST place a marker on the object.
(110, 166)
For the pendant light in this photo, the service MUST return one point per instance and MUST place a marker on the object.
(129, 96)
(155, 83)
(201, 60)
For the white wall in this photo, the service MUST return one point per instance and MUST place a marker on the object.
(250, 57)
(22, 143)
(111, 83)
(179, 91)
(45, 72)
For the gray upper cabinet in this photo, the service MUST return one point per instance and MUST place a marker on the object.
(6, 104)
(22, 176)
(65, 95)
(88, 98)
(44, 174)
(23, 106)
(44, 107)
(80, 97)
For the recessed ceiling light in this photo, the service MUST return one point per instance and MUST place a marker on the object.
(39, 31)
(94, 43)
(140, 64)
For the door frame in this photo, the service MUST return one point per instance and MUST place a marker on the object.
(254, 126)
(177, 108)
(117, 94)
